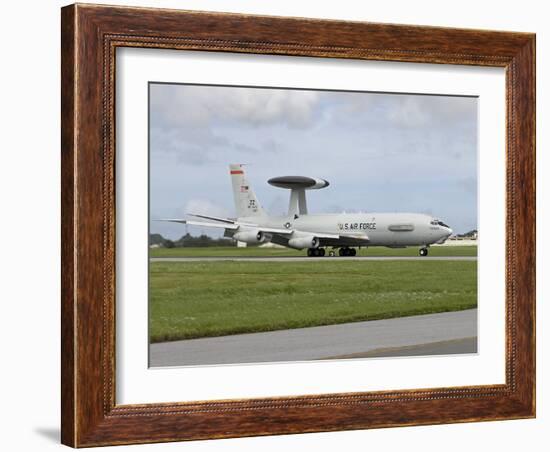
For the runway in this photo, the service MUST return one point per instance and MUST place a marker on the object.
(432, 334)
(310, 259)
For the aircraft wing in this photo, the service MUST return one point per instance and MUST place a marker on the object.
(327, 239)
(274, 230)
(226, 224)
(206, 217)
(286, 232)
(344, 239)
(280, 231)
(320, 235)
(201, 223)
(354, 236)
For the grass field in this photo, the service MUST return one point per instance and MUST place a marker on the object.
(197, 299)
(253, 251)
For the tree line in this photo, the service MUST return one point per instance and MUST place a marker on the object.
(189, 241)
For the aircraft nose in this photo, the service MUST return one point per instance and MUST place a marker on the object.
(445, 234)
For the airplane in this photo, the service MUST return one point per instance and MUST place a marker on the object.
(299, 229)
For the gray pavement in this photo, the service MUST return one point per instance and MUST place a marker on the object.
(309, 259)
(432, 334)
(452, 347)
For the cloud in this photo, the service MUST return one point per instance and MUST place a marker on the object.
(203, 124)
(408, 112)
(418, 110)
(186, 105)
(205, 207)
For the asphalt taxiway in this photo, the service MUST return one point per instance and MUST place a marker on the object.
(431, 334)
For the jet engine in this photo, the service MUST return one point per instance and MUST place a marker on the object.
(304, 242)
(250, 236)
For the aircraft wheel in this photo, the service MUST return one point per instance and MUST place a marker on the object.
(342, 252)
(322, 252)
(423, 251)
(309, 252)
(352, 252)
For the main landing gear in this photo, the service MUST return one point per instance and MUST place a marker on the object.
(423, 251)
(320, 252)
(347, 252)
(315, 252)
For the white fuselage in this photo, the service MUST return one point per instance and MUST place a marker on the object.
(382, 229)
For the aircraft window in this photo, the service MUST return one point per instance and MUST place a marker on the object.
(434, 222)
(440, 223)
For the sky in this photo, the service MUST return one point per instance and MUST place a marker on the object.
(380, 152)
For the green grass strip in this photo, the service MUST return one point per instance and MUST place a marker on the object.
(200, 299)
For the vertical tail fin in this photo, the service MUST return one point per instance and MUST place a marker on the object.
(246, 203)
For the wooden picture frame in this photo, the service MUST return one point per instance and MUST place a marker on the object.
(90, 36)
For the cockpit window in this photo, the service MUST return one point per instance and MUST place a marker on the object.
(438, 223)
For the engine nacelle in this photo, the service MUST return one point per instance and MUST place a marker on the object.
(250, 236)
(299, 243)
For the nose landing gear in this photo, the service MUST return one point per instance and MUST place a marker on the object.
(423, 251)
